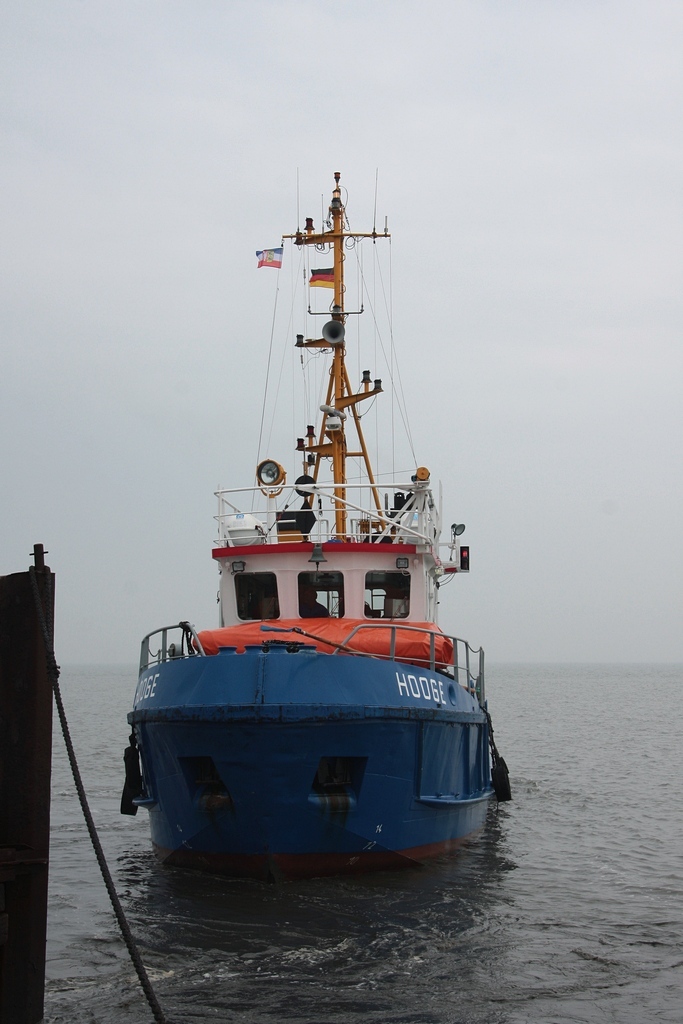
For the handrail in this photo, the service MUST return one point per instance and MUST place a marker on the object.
(315, 488)
(382, 517)
(323, 532)
(190, 645)
(474, 683)
(429, 519)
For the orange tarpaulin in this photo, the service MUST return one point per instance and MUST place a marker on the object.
(412, 638)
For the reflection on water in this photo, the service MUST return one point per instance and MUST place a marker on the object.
(564, 908)
(412, 946)
(330, 949)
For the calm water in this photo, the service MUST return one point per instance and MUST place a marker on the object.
(569, 906)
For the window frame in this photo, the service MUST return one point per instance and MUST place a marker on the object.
(315, 579)
(244, 601)
(385, 586)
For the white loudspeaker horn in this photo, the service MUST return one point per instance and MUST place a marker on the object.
(333, 332)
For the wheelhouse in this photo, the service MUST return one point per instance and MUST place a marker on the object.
(387, 566)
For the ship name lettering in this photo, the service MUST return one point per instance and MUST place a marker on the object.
(426, 688)
(414, 688)
(146, 687)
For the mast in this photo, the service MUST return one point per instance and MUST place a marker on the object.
(331, 442)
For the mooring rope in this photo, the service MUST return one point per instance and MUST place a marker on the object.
(53, 676)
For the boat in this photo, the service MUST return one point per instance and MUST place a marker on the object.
(327, 725)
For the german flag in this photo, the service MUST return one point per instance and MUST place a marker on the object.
(322, 278)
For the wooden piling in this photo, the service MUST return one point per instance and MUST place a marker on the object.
(25, 765)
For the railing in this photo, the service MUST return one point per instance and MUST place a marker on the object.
(187, 645)
(479, 688)
(416, 522)
(462, 662)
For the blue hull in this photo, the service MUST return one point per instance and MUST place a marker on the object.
(277, 764)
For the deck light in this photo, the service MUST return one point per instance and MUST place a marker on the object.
(457, 529)
(402, 563)
(238, 567)
(270, 473)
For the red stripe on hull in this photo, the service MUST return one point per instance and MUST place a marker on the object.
(290, 866)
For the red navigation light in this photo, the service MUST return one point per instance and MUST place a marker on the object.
(465, 559)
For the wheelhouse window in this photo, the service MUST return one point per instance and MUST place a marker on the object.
(321, 595)
(387, 595)
(256, 594)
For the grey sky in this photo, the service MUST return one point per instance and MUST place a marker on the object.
(529, 162)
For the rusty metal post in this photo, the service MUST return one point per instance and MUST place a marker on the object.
(25, 764)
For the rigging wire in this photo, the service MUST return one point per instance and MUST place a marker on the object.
(345, 201)
(389, 312)
(304, 385)
(374, 353)
(393, 375)
(374, 288)
(393, 357)
(358, 292)
(285, 350)
(268, 361)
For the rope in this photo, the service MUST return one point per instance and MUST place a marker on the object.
(53, 676)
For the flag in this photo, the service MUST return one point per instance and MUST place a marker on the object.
(269, 258)
(322, 278)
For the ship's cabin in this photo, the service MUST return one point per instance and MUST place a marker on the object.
(291, 563)
(272, 584)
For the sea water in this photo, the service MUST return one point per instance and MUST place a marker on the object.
(568, 907)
